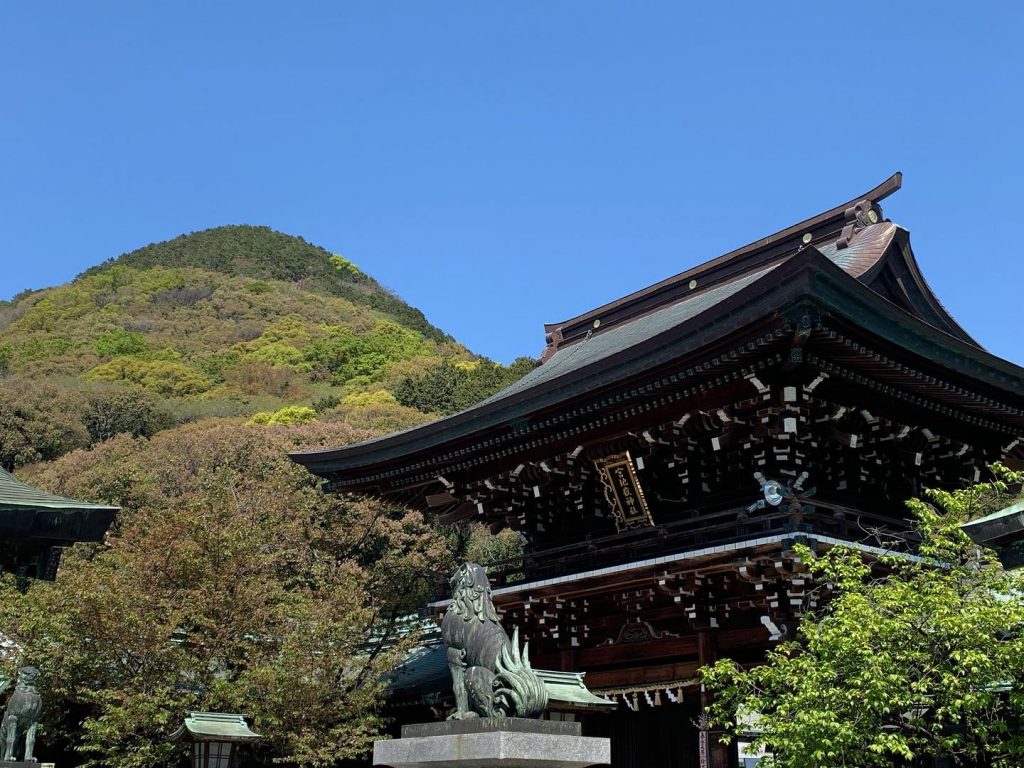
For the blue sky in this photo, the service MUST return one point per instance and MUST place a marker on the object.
(502, 165)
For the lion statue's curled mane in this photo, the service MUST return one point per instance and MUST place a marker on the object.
(490, 675)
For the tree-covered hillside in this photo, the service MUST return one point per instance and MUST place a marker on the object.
(234, 321)
(263, 254)
(172, 382)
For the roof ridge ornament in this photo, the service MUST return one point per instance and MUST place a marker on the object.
(858, 216)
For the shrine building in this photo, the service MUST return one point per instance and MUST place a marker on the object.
(673, 446)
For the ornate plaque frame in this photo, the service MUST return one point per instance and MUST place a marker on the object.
(623, 493)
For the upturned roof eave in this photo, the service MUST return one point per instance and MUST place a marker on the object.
(908, 258)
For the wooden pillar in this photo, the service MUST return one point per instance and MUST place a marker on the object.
(714, 752)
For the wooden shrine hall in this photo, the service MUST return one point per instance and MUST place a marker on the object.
(674, 444)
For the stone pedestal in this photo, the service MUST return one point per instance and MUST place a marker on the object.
(493, 742)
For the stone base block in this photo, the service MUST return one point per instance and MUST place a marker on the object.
(492, 742)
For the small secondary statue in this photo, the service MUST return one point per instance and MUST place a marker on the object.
(499, 699)
(21, 718)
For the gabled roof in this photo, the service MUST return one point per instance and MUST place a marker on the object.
(28, 512)
(849, 261)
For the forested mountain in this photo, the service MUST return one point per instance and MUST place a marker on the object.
(234, 321)
(261, 253)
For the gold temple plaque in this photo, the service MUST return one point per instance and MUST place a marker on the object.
(623, 492)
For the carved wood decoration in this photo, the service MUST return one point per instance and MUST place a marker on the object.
(623, 493)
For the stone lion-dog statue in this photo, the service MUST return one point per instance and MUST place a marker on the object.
(490, 675)
(22, 716)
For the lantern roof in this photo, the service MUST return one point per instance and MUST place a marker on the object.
(215, 726)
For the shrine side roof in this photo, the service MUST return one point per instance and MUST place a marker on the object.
(998, 525)
(28, 513)
(15, 494)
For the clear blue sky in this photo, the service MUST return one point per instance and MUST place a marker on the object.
(502, 165)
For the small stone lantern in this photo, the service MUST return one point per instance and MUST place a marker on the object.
(215, 737)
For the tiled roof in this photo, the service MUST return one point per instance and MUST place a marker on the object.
(1004, 523)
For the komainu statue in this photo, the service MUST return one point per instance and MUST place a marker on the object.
(21, 717)
(491, 677)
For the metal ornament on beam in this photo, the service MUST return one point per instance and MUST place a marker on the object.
(623, 492)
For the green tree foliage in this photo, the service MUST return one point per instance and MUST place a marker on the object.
(449, 387)
(164, 377)
(233, 322)
(231, 584)
(342, 355)
(116, 410)
(344, 265)
(922, 662)
(38, 422)
(120, 342)
(287, 416)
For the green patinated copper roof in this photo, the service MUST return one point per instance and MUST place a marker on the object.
(567, 689)
(15, 494)
(1005, 516)
(1003, 531)
(215, 726)
(29, 514)
(424, 675)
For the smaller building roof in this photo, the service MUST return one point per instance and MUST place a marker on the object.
(215, 726)
(1002, 531)
(424, 676)
(15, 494)
(566, 690)
(27, 512)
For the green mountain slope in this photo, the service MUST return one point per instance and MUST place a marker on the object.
(234, 321)
(263, 254)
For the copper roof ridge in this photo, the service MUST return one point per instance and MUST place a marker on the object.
(647, 298)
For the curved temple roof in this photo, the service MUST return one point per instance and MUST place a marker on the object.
(851, 252)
